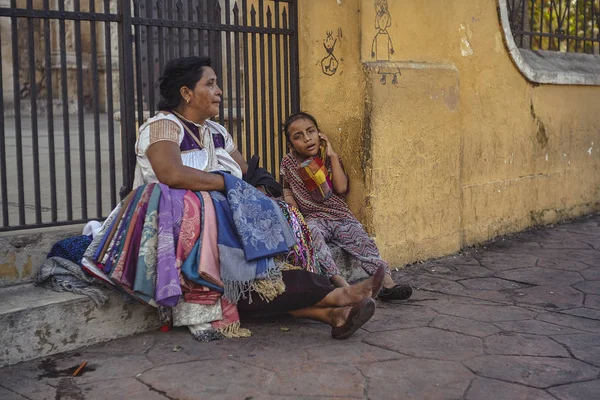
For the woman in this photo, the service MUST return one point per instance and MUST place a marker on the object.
(182, 154)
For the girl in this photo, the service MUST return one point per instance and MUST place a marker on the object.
(315, 182)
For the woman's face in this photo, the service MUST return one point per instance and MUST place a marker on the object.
(205, 97)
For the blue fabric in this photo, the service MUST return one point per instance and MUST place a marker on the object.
(260, 225)
(249, 234)
(71, 248)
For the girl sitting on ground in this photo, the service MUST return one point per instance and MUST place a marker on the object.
(315, 182)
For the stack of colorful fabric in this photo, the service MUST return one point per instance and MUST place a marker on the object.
(196, 253)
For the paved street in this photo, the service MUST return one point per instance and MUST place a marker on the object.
(518, 318)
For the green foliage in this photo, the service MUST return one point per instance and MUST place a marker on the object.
(575, 23)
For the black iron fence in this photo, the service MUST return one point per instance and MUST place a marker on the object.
(557, 25)
(78, 78)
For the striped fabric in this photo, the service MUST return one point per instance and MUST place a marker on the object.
(350, 235)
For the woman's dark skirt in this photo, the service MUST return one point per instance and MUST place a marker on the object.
(302, 289)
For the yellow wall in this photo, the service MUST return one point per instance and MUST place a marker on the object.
(462, 148)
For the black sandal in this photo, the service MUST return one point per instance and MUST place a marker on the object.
(398, 292)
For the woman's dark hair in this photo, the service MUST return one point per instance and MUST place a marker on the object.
(184, 71)
(295, 117)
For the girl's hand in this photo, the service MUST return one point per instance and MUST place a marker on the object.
(328, 149)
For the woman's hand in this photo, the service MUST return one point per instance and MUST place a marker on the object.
(329, 149)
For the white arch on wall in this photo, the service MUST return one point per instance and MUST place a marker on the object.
(551, 67)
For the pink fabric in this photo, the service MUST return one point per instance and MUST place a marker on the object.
(209, 254)
(230, 315)
(188, 236)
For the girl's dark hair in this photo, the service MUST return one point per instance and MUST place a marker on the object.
(295, 117)
(184, 71)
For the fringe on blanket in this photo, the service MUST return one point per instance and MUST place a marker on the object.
(62, 275)
(267, 288)
(234, 330)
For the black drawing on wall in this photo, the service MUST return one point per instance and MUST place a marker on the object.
(329, 64)
(382, 47)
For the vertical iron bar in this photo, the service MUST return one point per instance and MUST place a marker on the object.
(294, 62)
(170, 33)
(523, 2)
(585, 25)
(263, 88)
(96, 110)
(279, 88)
(255, 81)
(550, 38)
(80, 115)
(50, 114)
(3, 179)
(191, 34)
(286, 66)
(137, 29)
(246, 82)
(17, 103)
(229, 70)
(568, 5)
(179, 11)
(531, 24)
(219, 57)
(201, 17)
(272, 133)
(577, 26)
(592, 27)
(161, 50)
(238, 88)
(65, 109)
(34, 121)
(541, 25)
(150, 54)
(127, 96)
(109, 109)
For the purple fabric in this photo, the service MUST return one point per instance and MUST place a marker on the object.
(177, 212)
(189, 143)
(168, 288)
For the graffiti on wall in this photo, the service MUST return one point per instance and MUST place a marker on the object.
(382, 47)
(329, 64)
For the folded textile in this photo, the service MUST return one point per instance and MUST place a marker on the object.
(316, 179)
(62, 275)
(71, 248)
(168, 288)
(185, 313)
(249, 234)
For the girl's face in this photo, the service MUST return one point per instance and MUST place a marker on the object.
(304, 137)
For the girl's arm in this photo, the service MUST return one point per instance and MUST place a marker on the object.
(288, 195)
(338, 178)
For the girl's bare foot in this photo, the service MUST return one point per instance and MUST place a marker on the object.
(388, 282)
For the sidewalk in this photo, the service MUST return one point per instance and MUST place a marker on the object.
(516, 319)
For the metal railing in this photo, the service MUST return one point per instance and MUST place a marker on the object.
(556, 25)
(78, 78)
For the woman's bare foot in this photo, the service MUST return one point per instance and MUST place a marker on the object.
(338, 281)
(347, 320)
(368, 288)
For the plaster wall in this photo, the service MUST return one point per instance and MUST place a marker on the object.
(454, 146)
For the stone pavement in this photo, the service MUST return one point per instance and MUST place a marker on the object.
(518, 318)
